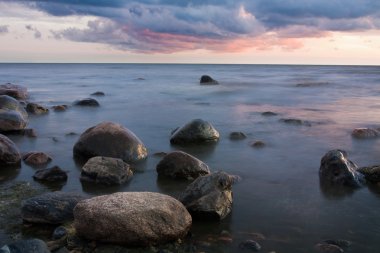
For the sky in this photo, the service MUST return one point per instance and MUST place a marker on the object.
(197, 31)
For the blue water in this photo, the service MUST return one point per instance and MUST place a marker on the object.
(279, 195)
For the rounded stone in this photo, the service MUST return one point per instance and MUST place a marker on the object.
(26, 246)
(196, 131)
(237, 136)
(54, 174)
(87, 102)
(205, 79)
(36, 158)
(9, 153)
(111, 140)
(365, 133)
(12, 115)
(36, 109)
(13, 90)
(132, 218)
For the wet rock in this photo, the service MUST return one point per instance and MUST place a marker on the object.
(16, 91)
(269, 114)
(365, 133)
(87, 102)
(111, 140)
(181, 165)
(328, 248)
(371, 174)
(250, 245)
(339, 242)
(53, 174)
(205, 79)
(209, 197)
(161, 154)
(98, 94)
(132, 218)
(237, 136)
(59, 233)
(50, 208)
(26, 246)
(296, 122)
(196, 131)
(257, 144)
(12, 115)
(36, 158)
(106, 170)
(71, 134)
(36, 109)
(29, 132)
(336, 169)
(9, 154)
(59, 108)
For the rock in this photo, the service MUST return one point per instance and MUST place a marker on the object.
(36, 158)
(257, 144)
(12, 115)
(26, 246)
(269, 114)
(311, 84)
(53, 174)
(87, 102)
(9, 154)
(160, 154)
(365, 133)
(59, 108)
(98, 94)
(132, 218)
(59, 233)
(29, 132)
(371, 174)
(196, 131)
(250, 245)
(336, 170)
(111, 140)
(237, 136)
(106, 170)
(205, 79)
(36, 109)
(209, 197)
(181, 165)
(16, 91)
(50, 208)
(339, 242)
(296, 122)
(328, 248)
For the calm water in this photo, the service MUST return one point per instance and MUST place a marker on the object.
(279, 196)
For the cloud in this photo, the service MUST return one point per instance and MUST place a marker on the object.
(169, 25)
(37, 33)
(3, 29)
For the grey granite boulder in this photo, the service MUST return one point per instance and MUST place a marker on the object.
(111, 140)
(9, 153)
(106, 171)
(16, 91)
(26, 246)
(132, 218)
(336, 169)
(209, 197)
(50, 208)
(179, 164)
(12, 115)
(196, 131)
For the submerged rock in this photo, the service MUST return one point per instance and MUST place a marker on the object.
(106, 170)
(26, 246)
(296, 122)
(205, 79)
(269, 113)
(371, 174)
(237, 136)
(12, 115)
(132, 218)
(365, 133)
(257, 144)
(53, 174)
(36, 158)
(13, 90)
(59, 108)
(111, 140)
(179, 164)
(339, 242)
(209, 197)
(87, 102)
(29, 132)
(250, 245)
(328, 248)
(98, 94)
(337, 170)
(9, 154)
(196, 131)
(50, 208)
(36, 109)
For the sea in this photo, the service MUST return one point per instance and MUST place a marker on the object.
(279, 201)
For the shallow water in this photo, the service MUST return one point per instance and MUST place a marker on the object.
(279, 195)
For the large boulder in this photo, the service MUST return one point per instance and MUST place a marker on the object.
(26, 246)
(179, 164)
(106, 170)
(337, 170)
(111, 140)
(16, 91)
(9, 154)
(132, 218)
(50, 208)
(209, 197)
(12, 115)
(196, 131)
(205, 79)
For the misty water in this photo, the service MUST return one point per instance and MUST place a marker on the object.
(279, 195)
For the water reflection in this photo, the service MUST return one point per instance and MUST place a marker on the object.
(8, 173)
(335, 192)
